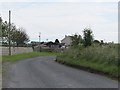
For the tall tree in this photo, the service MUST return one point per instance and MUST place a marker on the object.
(88, 37)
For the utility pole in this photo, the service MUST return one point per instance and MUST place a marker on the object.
(39, 41)
(9, 39)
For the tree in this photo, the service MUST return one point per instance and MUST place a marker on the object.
(57, 41)
(0, 27)
(4, 31)
(19, 37)
(76, 39)
(101, 42)
(88, 37)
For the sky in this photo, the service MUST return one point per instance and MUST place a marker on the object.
(56, 18)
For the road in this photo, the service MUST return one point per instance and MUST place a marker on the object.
(44, 72)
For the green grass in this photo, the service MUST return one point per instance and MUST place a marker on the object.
(111, 70)
(96, 58)
(14, 58)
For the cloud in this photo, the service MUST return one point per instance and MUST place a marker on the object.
(54, 20)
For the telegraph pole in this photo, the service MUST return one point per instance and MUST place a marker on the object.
(39, 41)
(9, 39)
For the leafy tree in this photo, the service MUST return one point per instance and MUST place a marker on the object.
(76, 39)
(101, 42)
(88, 37)
(0, 26)
(57, 41)
(4, 31)
(19, 37)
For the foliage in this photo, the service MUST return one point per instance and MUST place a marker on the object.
(76, 39)
(88, 37)
(101, 42)
(17, 36)
(57, 41)
(100, 58)
(4, 31)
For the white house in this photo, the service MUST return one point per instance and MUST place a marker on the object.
(66, 41)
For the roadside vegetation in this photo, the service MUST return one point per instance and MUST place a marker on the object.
(23, 56)
(17, 36)
(91, 55)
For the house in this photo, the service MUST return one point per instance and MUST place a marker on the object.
(66, 41)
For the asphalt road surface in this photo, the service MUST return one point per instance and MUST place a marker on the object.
(44, 72)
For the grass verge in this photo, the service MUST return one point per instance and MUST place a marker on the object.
(14, 58)
(102, 60)
(111, 71)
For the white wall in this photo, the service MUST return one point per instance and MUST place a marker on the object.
(15, 50)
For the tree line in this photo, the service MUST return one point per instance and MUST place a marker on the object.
(17, 36)
(86, 40)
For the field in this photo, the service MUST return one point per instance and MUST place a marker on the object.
(101, 59)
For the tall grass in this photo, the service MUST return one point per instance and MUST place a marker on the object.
(100, 58)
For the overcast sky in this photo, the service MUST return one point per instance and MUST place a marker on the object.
(57, 18)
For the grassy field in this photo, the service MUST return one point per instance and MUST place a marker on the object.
(14, 58)
(102, 59)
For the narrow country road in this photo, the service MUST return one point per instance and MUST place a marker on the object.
(44, 72)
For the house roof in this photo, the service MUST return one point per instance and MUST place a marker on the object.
(66, 37)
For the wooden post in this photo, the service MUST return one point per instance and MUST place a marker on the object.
(9, 38)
